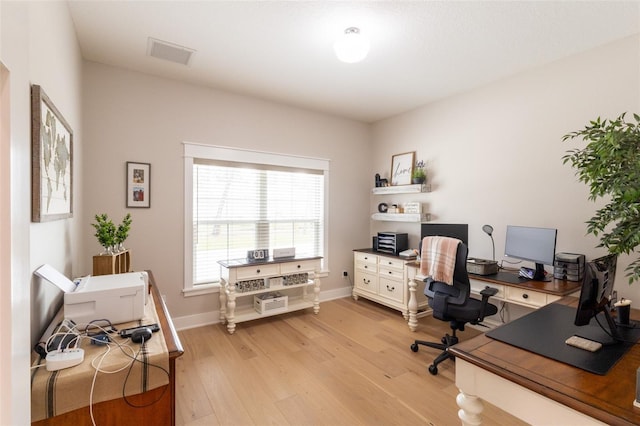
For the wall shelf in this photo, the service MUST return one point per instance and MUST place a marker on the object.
(402, 189)
(402, 217)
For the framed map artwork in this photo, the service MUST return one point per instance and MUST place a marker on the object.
(51, 160)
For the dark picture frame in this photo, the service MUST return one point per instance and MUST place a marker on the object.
(401, 168)
(138, 185)
(51, 160)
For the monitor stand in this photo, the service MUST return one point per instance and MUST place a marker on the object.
(609, 334)
(539, 275)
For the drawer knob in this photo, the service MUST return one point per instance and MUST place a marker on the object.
(366, 281)
(525, 296)
(390, 288)
(390, 273)
(299, 266)
(258, 271)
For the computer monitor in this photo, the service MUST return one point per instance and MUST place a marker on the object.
(453, 230)
(595, 294)
(537, 245)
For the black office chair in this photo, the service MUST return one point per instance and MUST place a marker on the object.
(453, 303)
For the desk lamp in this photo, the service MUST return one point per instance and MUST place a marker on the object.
(488, 229)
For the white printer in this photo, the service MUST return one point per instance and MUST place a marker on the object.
(118, 298)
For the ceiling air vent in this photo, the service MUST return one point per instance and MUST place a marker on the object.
(169, 51)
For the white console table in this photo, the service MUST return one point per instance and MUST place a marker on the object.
(241, 273)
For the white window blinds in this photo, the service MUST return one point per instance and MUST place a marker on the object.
(244, 206)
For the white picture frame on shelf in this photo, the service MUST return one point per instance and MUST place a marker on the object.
(401, 168)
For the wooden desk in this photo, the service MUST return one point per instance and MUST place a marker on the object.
(530, 294)
(540, 390)
(117, 411)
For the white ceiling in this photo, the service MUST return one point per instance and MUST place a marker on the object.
(421, 51)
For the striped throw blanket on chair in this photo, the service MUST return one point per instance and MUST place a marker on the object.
(438, 258)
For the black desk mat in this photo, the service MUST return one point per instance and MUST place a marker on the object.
(545, 330)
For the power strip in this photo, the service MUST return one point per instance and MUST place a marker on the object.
(59, 359)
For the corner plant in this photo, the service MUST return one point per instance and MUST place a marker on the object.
(610, 165)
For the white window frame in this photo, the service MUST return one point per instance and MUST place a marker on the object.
(221, 153)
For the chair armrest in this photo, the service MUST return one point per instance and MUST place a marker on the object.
(486, 293)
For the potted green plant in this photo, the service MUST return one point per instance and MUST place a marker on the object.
(123, 232)
(110, 237)
(610, 165)
(105, 232)
(418, 174)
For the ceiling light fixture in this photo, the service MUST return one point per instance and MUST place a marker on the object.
(352, 46)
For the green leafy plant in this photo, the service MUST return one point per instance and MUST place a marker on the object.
(123, 229)
(108, 234)
(105, 230)
(418, 171)
(610, 165)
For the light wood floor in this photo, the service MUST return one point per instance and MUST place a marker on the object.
(349, 365)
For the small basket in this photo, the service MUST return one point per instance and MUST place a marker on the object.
(270, 302)
(481, 266)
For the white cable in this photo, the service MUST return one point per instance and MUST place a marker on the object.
(93, 383)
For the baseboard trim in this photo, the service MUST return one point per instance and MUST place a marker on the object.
(213, 317)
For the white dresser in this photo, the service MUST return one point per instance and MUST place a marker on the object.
(385, 279)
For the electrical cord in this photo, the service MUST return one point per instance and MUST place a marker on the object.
(142, 348)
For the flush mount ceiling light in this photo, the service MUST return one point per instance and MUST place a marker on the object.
(352, 46)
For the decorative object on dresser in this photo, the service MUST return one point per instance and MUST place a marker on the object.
(51, 160)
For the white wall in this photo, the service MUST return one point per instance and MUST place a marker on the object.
(136, 117)
(38, 46)
(494, 154)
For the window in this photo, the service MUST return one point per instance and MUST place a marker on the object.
(239, 200)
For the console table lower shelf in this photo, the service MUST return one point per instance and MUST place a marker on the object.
(237, 274)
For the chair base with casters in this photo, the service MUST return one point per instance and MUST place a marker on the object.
(453, 303)
(447, 341)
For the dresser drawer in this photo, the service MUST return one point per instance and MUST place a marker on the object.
(391, 274)
(526, 297)
(367, 267)
(390, 262)
(367, 282)
(391, 289)
(295, 267)
(257, 271)
(366, 258)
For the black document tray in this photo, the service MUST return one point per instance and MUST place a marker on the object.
(545, 330)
